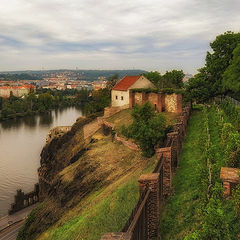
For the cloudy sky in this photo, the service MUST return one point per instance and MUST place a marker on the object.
(112, 34)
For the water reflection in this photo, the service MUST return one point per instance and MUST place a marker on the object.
(21, 142)
(46, 118)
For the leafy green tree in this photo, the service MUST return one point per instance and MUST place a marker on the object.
(46, 100)
(217, 61)
(231, 77)
(174, 78)
(148, 128)
(155, 77)
(198, 88)
(98, 101)
(31, 99)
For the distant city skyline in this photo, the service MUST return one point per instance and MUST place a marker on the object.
(149, 35)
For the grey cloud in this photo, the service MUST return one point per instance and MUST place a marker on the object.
(148, 34)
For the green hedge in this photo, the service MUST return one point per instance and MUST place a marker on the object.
(155, 90)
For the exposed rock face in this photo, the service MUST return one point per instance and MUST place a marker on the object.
(60, 153)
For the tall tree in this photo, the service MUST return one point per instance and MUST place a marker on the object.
(217, 61)
(231, 77)
(155, 77)
(174, 78)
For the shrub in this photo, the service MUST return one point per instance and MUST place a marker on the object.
(148, 128)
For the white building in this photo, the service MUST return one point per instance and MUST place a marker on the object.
(120, 92)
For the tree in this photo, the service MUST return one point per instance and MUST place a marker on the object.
(198, 88)
(174, 78)
(155, 77)
(231, 77)
(217, 61)
(112, 81)
(148, 128)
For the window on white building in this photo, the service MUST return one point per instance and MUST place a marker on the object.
(121, 97)
(116, 97)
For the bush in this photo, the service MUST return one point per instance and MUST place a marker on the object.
(215, 224)
(148, 128)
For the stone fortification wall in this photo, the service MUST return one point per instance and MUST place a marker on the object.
(160, 101)
(109, 111)
(131, 145)
(57, 132)
(173, 102)
(23, 200)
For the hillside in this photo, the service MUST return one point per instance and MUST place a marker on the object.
(86, 186)
(197, 185)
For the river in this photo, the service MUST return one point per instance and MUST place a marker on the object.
(21, 142)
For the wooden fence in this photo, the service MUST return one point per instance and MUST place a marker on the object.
(144, 219)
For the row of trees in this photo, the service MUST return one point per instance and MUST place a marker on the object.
(40, 101)
(221, 73)
(171, 79)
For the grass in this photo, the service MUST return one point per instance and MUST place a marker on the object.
(183, 211)
(109, 204)
(124, 118)
(181, 214)
(108, 215)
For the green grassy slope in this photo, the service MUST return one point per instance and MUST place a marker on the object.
(181, 212)
(185, 211)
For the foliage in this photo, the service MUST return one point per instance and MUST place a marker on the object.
(226, 131)
(26, 231)
(154, 90)
(147, 129)
(175, 77)
(232, 112)
(208, 82)
(19, 76)
(42, 101)
(211, 216)
(215, 226)
(98, 101)
(154, 76)
(236, 198)
(231, 77)
(198, 88)
(171, 79)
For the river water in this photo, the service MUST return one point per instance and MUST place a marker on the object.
(21, 142)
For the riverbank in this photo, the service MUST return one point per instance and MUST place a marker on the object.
(21, 142)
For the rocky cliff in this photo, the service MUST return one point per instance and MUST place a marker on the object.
(75, 176)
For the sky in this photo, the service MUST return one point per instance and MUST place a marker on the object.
(112, 34)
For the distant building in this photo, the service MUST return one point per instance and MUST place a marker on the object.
(120, 92)
(17, 91)
(99, 85)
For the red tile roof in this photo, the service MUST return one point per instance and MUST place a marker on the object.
(17, 87)
(126, 83)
